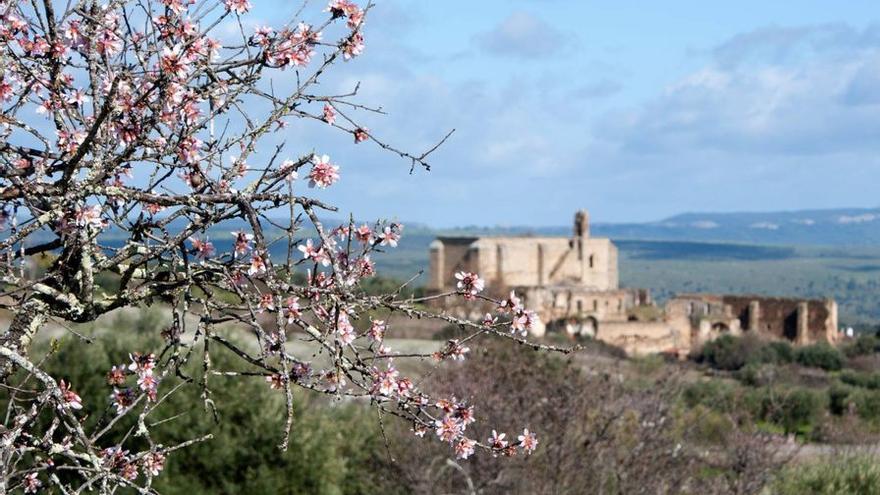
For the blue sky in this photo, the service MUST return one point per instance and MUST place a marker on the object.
(635, 110)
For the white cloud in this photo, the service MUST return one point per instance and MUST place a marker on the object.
(764, 226)
(704, 224)
(784, 105)
(864, 218)
(522, 35)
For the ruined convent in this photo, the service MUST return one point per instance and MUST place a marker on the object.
(573, 285)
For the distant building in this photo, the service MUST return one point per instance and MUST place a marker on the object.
(801, 321)
(559, 277)
(573, 285)
(528, 261)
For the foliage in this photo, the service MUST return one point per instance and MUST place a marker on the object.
(836, 475)
(863, 345)
(608, 436)
(336, 449)
(730, 352)
(839, 398)
(794, 409)
(861, 379)
(820, 355)
(143, 162)
(867, 404)
(715, 394)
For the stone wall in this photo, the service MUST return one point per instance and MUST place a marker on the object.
(801, 321)
(778, 317)
(525, 261)
(639, 338)
(573, 284)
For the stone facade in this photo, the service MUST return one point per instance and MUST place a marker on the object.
(572, 283)
(527, 261)
(801, 321)
(556, 276)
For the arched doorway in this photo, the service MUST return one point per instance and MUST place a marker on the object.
(590, 327)
(719, 327)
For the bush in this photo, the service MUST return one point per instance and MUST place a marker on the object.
(713, 394)
(839, 398)
(847, 475)
(707, 425)
(820, 355)
(759, 375)
(792, 409)
(728, 352)
(863, 345)
(732, 353)
(335, 448)
(867, 403)
(861, 379)
(781, 350)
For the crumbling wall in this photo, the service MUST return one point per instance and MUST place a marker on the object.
(452, 254)
(640, 337)
(778, 317)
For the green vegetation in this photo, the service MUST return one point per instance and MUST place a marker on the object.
(732, 353)
(335, 448)
(844, 475)
(819, 355)
(806, 390)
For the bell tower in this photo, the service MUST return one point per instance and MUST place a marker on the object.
(582, 224)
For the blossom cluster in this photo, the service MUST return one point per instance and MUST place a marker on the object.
(120, 461)
(143, 367)
(132, 146)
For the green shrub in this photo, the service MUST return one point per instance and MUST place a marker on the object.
(782, 351)
(839, 398)
(761, 374)
(708, 425)
(751, 375)
(867, 403)
(713, 394)
(863, 345)
(861, 379)
(732, 353)
(752, 402)
(728, 352)
(335, 448)
(847, 475)
(793, 409)
(820, 355)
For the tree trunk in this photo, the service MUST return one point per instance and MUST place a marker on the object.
(27, 321)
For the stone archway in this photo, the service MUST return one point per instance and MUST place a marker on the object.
(589, 327)
(720, 328)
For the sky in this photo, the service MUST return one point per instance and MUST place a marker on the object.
(635, 110)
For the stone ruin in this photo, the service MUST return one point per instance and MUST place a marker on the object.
(573, 285)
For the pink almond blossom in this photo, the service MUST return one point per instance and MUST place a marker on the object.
(528, 441)
(470, 284)
(238, 6)
(323, 174)
(329, 114)
(69, 398)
